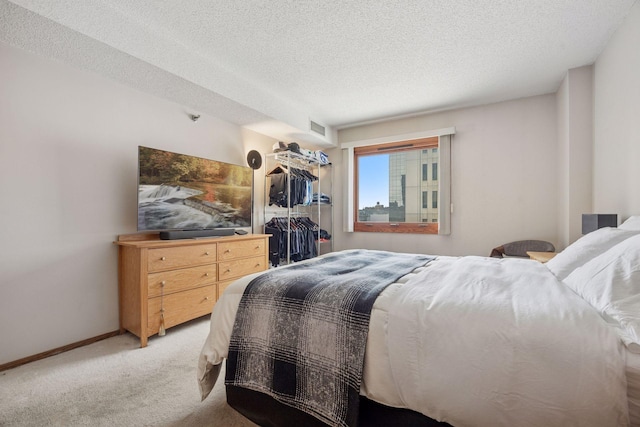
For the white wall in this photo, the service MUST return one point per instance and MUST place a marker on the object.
(575, 152)
(263, 144)
(562, 99)
(68, 165)
(503, 178)
(617, 122)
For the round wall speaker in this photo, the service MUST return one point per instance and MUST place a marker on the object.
(254, 159)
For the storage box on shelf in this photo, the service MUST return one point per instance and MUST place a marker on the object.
(168, 282)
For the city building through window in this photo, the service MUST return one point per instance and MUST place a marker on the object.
(394, 190)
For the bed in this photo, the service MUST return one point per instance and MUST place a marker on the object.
(483, 342)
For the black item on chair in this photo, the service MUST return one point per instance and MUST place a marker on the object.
(519, 248)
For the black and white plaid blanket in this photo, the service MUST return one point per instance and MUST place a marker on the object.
(300, 332)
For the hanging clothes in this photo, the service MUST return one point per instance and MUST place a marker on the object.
(301, 186)
(302, 232)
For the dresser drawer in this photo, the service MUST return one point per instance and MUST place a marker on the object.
(181, 279)
(241, 267)
(243, 249)
(180, 307)
(186, 256)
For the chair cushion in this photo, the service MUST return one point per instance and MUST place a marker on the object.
(519, 248)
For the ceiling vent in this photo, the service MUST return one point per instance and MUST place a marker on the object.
(317, 128)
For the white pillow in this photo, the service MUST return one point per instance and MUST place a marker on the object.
(585, 249)
(632, 223)
(610, 282)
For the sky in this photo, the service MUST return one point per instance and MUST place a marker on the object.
(373, 184)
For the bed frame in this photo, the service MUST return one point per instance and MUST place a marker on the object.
(267, 412)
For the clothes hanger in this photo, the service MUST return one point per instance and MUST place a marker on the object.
(279, 168)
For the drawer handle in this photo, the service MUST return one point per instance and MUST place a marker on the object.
(164, 282)
(206, 274)
(163, 258)
(228, 251)
(258, 247)
(206, 298)
(228, 270)
(258, 265)
(206, 253)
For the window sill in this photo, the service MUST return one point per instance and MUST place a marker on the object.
(385, 227)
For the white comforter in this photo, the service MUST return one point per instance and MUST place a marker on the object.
(484, 342)
(478, 342)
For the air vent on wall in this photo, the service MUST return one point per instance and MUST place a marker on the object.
(317, 128)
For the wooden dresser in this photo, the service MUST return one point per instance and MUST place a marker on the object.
(178, 280)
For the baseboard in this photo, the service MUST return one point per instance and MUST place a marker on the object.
(58, 350)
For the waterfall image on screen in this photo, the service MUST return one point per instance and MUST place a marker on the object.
(181, 192)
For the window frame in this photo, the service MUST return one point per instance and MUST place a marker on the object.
(388, 148)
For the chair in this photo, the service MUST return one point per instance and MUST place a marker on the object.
(519, 248)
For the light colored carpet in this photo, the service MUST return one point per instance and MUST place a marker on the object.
(114, 382)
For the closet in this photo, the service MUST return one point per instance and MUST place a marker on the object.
(298, 210)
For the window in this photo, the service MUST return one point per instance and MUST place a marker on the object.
(392, 187)
(437, 145)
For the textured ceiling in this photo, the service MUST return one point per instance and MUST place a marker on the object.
(345, 62)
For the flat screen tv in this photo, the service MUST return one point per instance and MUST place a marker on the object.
(178, 192)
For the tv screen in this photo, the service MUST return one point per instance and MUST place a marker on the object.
(181, 192)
